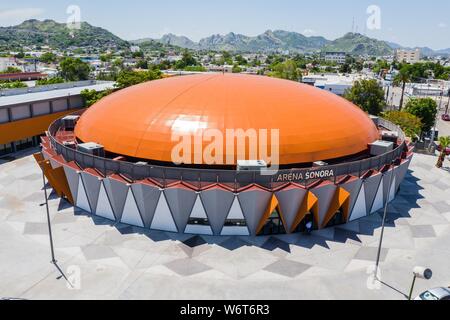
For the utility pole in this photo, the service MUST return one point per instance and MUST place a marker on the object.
(383, 225)
(48, 220)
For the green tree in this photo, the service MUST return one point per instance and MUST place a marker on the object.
(92, 96)
(286, 70)
(49, 81)
(402, 78)
(410, 124)
(444, 143)
(72, 69)
(237, 69)
(425, 109)
(12, 85)
(11, 70)
(48, 57)
(128, 78)
(368, 95)
(186, 61)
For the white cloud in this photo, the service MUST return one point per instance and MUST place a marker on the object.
(442, 25)
(309, 32)
(15, 16)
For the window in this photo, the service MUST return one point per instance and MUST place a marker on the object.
(235, 223)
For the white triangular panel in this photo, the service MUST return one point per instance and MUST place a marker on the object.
(235, 214)
(378, 204)
(104, 208)
(82, 199)
(392, 191)
(359, 210)
(131, 213)
(236, 211)
(198, 212)
(163, 219)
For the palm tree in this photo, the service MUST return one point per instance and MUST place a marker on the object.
(445, 143)
(402, 78)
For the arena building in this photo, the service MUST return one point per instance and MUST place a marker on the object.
(115, 160)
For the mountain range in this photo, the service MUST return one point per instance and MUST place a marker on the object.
(57, 35)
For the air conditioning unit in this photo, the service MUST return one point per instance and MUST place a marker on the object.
(70, 144)
(92, 149)
(320, 164)
(376, 120)
(391, 136)
(251, 165)
(69, 122)
(380, 147)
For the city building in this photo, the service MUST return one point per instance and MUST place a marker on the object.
(334, 83)
(25, 114)
(408, 56)
(7, 62)
(116, 160)
(336, 57)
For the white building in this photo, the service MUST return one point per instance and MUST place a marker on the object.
(334, 83)
(336, 57)
(408, 56)
(6, 63)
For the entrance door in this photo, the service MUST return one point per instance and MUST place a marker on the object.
(274, 225)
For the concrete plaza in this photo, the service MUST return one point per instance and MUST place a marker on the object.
(121, 262)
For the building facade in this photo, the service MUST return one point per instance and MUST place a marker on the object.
(25, 114)
(408, 56)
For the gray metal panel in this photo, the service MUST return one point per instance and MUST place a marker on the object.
(41, 108)
(92, 186)
(72, 178)
(353, 187)
(82, 199)
(104, 208)
(181, 202)
(147, 198)
(371, 185)
(117, 193)
(290, 201)
(217, 203)
(386, 183)
(163, 219)
(359, 210)
(59, 105)
(325, 195)
(254, 203)
(400, 174)
(131, 214)
(20, 112)
(4, 117)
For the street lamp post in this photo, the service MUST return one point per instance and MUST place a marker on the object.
(383, 225)
(48, 220)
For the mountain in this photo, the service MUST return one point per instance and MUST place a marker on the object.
(57, 35)
(268, 41)
(358, 44)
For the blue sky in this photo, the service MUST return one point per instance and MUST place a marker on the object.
(410, 23)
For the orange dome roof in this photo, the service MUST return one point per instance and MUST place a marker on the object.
(313, 124)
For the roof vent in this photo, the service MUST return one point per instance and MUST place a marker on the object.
(92, 149)
(251, 165)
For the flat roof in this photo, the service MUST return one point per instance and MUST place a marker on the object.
(51, 94)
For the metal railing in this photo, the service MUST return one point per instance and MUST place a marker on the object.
(200, 178)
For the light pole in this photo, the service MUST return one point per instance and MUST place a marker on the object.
(48, 220)
(421, 273)
(383, 225)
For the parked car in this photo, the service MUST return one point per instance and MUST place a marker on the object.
(446, 117)
(435, 294)
(447, 150)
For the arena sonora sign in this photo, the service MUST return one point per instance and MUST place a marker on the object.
(308, 175)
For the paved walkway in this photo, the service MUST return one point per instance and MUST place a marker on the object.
(121, 262)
